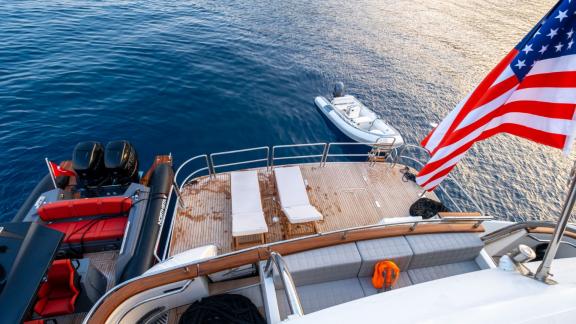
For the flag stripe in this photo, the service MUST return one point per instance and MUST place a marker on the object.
(424, 177)
(506, 74)
(551, 65)
(498, 90)
(543, 109)
(557, 95)
(550, 125)
(486, 109)
(551, 80)
(542, 137)
(513, 123)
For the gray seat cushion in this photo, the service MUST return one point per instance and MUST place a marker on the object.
(395, 249)
(441, 271)
(322, 265)
(323, 295)
(366, 283)
(435, 249)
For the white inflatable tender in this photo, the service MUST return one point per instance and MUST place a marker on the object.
(357, 121)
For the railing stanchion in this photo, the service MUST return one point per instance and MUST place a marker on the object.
(178, 193)
(287, 281)
(324, 154)
(211, 165)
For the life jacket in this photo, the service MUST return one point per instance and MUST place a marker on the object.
(386, 273)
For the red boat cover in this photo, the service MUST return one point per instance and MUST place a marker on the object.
(91, 229)
(57, 295)
(76, 208)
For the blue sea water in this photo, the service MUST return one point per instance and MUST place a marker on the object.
(189, 77)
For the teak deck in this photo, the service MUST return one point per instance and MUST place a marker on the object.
(348, 194)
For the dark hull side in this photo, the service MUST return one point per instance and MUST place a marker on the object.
(44, 185)
(143, 258)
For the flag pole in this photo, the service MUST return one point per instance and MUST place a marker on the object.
(51, 173)
(543, 272)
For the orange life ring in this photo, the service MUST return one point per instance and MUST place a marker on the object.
(386, 274)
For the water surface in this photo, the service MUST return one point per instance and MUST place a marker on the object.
(189, 77)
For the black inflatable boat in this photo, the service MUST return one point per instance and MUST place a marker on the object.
(109, 216)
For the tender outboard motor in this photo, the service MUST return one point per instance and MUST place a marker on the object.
(88, 162)
(338, 90)
(121, 161)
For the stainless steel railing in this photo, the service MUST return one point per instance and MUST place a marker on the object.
(525, 225)
(165, 294)
(287, 282)
(277, 148)
(211, 166)
(195, 172)
(242, 162)
(376, 150)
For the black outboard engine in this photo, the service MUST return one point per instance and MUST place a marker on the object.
(88, 162)
(338, 90)
(121, 161)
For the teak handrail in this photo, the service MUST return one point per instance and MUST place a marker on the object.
(119, 294)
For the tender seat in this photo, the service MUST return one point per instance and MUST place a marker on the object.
(247, 214)
(58, 294)
(294, 197)
(363, 122)
(92, 229)
(77, 208)
(353, 111)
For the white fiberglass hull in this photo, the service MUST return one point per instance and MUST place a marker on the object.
(355, 133)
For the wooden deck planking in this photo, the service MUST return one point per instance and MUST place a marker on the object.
(347, 194)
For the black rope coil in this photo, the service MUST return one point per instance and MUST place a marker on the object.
(225, 309)
(427, 208)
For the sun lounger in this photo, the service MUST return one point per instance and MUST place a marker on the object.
(294, 197)
(247, 214)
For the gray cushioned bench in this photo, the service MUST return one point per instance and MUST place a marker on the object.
(438, 256)
(324, 277)
(322, 265)
(395, 249)
(322, 295)
(333, 275)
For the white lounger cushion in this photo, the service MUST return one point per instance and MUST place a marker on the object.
(291, 187)
(247, 215)
(294, 197)
(302, 214)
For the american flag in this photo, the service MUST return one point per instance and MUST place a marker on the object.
(531, 93)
